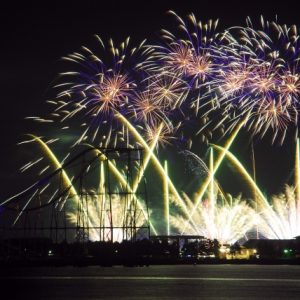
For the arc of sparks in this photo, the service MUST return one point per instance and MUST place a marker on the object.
(210, 178)
(166, 199)
(297, 170)
(264, 202)
(156, 162)
(297, 179)
(66, 180)
(138, 178)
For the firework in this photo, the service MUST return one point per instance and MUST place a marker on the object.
(147, 109)
(290, 87)
(104, 82)
(191, 53)
(263, 88)
(168, 90)
(197, 81)
(281, 220)
(108, 218)
(228, 222)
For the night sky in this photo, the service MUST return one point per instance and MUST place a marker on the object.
(35, 36)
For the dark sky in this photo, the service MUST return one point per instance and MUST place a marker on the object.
(35, 36)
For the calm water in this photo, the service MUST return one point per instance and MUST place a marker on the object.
(154, 282)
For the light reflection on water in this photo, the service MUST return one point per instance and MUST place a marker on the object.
(155, 282)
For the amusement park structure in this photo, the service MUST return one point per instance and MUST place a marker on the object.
(92, 205)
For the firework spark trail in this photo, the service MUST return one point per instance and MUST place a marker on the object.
(112, 167)
(143, 167)
(150, 154)
(281, 220)
(110, 227)
(188, 60)
(211, 194)
(249, 67)
(57, 165)
(228, 223)
(138, 178)
(263, 205)
(155, 161)
(203, 165)
(90, 217)
(101, 85)
(210, 178)
(169, 90)
(243, 171)
(297, 171)
(147, 109)
(297, 181)
(67, 181)
(200, 162)
(17, 195)
(285, 210)
(102, 195)
(192, 55)
(24, 207)
(249, 80)
(166, 198)
(270, 92)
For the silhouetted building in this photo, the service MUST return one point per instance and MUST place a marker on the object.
(267, 248)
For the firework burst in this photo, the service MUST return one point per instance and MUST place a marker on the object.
(168, 90)
(281, 220)
(107, 217)
(146, 109)
(227, 222)
(270, 90)
(155, 94)
(103, 84)
(192, 52)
